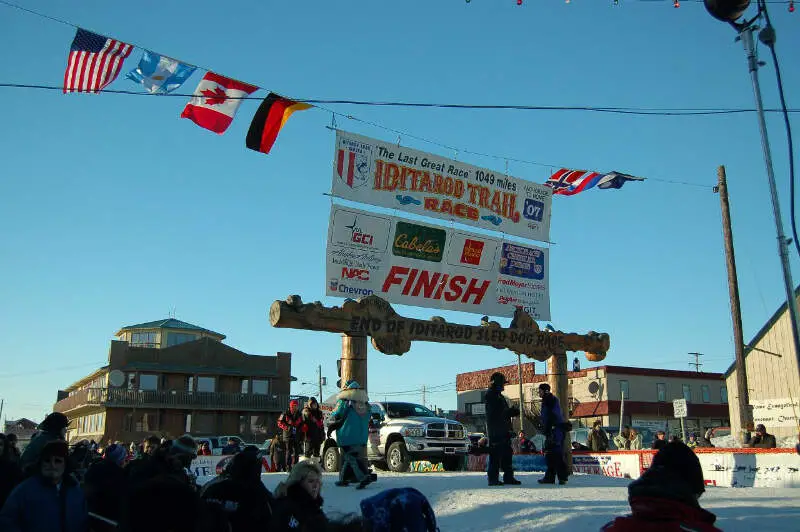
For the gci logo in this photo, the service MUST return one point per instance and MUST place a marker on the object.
(358, 236)
(355, 273)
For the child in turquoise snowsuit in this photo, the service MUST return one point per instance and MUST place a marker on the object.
(350, 420)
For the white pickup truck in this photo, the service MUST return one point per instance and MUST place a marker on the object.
(401, 433)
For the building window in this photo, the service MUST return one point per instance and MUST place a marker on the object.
(245, 385)
(687, 393)
(206, 384)
(624, 389)
(132, 381)
(190, 383)
(141, 422)
(661, 390)
(204, 423)
(180, 338)
(144, 339)
(187, 425)
(261, 386)
(706, 393)
(723, 394)
(148, 382)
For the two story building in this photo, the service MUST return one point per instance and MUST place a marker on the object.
(169, 377)
(596, 393)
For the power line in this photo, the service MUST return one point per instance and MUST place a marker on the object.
(697, 365)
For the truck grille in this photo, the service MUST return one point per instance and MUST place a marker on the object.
(446, 430)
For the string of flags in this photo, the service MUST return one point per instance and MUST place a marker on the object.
(95, 61)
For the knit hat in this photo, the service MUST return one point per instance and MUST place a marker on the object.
(54, 422)
(293, 402)
(399, 509)
(184, 445)
(544, 386)
(54, 448)
(761, 428)
(115, 453)
(679, 458)
(353, 392)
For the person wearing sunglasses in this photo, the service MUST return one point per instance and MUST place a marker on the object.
(49, 500)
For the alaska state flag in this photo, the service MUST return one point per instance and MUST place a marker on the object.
(159, 74)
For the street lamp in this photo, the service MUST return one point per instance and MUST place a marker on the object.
(730, 11)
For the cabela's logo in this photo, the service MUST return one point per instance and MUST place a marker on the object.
(419, 242)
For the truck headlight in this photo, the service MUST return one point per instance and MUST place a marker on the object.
(414, 432)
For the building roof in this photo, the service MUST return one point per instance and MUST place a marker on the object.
(762, 332)
(170, 323)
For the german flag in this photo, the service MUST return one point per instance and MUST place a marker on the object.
(273, 112)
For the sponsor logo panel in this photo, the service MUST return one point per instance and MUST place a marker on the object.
(419, 242)
(358, 230)
(521, 261)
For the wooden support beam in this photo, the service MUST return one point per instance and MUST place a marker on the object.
(392, 334)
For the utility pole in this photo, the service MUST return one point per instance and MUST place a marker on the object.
(521, 396)
(423, 396)
(697, 364)
(319, 371)
(2, 403)
(743, 394)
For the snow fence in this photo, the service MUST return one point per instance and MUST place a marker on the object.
(774, 468)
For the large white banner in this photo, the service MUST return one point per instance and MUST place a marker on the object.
(412, 263)
(379, 173)
(781, 412)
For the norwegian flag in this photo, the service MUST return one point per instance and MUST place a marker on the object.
(568, 182)
(94, 61)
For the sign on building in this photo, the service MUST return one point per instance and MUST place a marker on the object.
(384, 174)
(478, 409)
(781, 412)
(412, 263)
(679, 407)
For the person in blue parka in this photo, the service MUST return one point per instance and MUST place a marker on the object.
(350, 420)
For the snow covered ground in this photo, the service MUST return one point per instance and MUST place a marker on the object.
(463, 502)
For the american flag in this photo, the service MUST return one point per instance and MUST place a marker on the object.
(94, 62)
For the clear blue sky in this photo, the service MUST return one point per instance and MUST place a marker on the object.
(115, 211)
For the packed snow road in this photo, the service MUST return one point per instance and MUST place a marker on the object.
(463, 502)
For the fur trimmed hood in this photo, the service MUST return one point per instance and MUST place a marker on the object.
(353, 394)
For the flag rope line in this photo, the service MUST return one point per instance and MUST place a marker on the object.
(644, 111)
(620, 110)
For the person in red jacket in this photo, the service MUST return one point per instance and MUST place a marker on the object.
(312, 429)
(665, 497)
(289, 422)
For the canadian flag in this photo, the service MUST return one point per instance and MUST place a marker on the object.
(215, 102)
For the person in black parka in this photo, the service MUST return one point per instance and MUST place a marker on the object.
(10, 472)
(105, 487)
(298, 505)
(498, 424)
(240, 493)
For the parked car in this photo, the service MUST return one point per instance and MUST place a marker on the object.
(217, 443)
(406, 432)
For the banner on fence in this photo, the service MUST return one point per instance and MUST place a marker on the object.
(412, 263)
(760, 470)
(379, 173)
(781, 412)
(622, 465)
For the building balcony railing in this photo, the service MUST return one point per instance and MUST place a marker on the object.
(122, 398)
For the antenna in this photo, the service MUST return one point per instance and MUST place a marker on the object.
(696, 362)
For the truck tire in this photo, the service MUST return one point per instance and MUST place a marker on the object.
(397, 457)
(331, 460)
(453, 463)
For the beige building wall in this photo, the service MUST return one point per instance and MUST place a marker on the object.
(770, 377)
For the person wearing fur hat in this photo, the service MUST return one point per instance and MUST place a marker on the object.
(762, 439)
(49, 500)
(350, 420)
(54, 427)
(289, 422)
(298, 504)
(311, 429)
(666, 496)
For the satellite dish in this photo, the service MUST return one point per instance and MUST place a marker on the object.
(594, 387)
(116, 378)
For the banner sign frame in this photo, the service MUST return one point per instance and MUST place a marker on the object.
(367, 170)
(413, 263)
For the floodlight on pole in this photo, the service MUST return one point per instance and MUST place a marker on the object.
(730, 11)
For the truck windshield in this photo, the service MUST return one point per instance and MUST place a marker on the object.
(407, 410)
